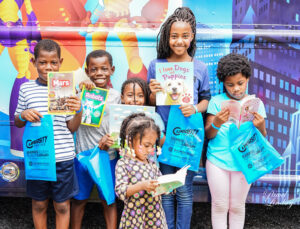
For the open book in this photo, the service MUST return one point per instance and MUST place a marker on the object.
(167, 183)
(241, 112)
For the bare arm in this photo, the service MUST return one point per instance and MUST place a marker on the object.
(147, 185)
(75, 104)
(259, 123)
(30, 115)
(217, 120)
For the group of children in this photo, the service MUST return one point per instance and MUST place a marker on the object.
(135, 172)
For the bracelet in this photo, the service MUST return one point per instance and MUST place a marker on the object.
(20, 117)
(79, 109)
(213, 125)
(196, 109)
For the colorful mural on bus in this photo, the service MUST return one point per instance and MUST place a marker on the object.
(267, 32)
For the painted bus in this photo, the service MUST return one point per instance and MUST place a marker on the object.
(267, 32)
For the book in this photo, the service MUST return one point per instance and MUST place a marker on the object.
(241, 111)
(60, 88)
(167, 183)
(118, 112)
(177, 81)
(93, 105)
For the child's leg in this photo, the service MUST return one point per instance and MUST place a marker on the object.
(62, 212)
(218, 182)
(110, 215)
(239, 189)
(77, 212)
(168, 201)
(184, 197)
(39, 213)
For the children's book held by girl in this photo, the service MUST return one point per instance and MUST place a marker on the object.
(241, 111)
(167, 183)
(60, 88)
(177, 81)
(93, 103)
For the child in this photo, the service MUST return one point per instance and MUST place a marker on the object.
(227, 184)
(136, 176)
(99, 68)
(135, 91)
(32, 105)
(177, 43)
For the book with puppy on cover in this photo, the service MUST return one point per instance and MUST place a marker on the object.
(177, 81)
(241, 111)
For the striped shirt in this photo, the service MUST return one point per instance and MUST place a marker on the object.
(33, 95)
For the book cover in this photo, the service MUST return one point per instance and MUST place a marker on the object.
(177, 81)
(93, 105)
(118, 112)
(60, 88)
(241, 112)
(167, 183)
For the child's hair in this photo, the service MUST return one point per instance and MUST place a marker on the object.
(142, 83)
(47, 45)
(99, 53)
(135, 124)
(233, 64)
(180, 14)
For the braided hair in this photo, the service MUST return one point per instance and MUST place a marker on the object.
(184, 14)
(135, 124)
(142, 83)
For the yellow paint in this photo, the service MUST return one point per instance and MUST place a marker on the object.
(9, 11)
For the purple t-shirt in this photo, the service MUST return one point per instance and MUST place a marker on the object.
(201, 85)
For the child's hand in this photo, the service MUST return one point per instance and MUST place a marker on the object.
(259, 123)
(221, 117)
(89, 85)
(74, 103)
(105, 142)
(149, 185)
(31, 115)
(155, 86)
(187, 110)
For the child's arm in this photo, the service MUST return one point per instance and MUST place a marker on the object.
(155, 87)
(214, 122)
(89, 85)
(259, 123)
(30, 115)
(74, 104)
(189, 109)
(105, 142)
(147, 185)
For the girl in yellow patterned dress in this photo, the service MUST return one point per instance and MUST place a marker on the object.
(136, 175)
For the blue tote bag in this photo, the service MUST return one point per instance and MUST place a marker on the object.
(97, 163)
(184, 140)
(39, 151)
(255, 155)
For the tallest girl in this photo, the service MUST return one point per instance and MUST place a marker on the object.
(177, 43)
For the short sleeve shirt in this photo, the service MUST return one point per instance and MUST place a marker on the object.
(218, 151)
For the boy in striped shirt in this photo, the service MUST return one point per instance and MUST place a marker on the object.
(32, 105)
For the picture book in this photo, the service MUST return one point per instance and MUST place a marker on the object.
(93, 104)
(167, 183)
(177, 81)
(241, 112)
(60, 88)
(118, 112)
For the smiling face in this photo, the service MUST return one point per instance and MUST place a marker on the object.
(236, 86)
(181, 36)
(133, 95)
(99, 71)
(146, 146)
(46, 62)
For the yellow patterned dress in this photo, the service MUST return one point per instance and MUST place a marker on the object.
(140, 210)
